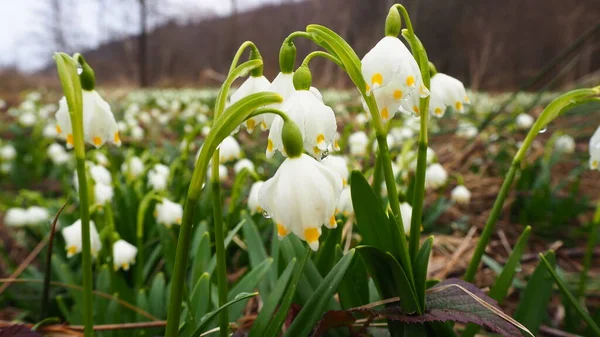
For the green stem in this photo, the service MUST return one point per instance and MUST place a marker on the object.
(320, 53)
(219, 246)
(589, 252)
(139, 234)
(377, 177)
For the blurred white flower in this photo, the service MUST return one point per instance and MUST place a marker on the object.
(565, 144)
(461, 195)
(57, 154)
(253, 204)
(524, 121)
(103, 194)
(389, 139)
(168, 213)
(72, 236)
(8, 152)
(100, 174)
(137, 133)
(361, 119)
(595, 150)
(27, 119)
(242, 164)
(123, 255)
(345, 206)
(133, 167)
(339, 165)
(101, 159)
(36, 215)
(402, 133)
(99, 125)
(158, 176)
(446, 91)
(229, 150)
(435, 176)
(5, 167)
(205, 130)
(301, 196)
(50, 131)
(223, 174)
(466, 130)
(15, 217)
(358, 143)
(406, 213)
(252, 85)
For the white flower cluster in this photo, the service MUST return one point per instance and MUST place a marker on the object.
(19, 217)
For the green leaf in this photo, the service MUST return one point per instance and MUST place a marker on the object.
(536, 295)
(103, 285)
(256, 251)
(202, 258)
(325, 258)
(572, 300)
(271, 301)
(248, 283)
(213, 261)
(421, 265)
(200, 297)
(560, 105)
(314, 308)
(157, 296)
(354, 288)
(304, 288)
(208, 317)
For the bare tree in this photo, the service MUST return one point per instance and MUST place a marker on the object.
(143, 49)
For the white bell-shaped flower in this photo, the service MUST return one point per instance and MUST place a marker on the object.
(338, 164)
(446, 91)
(36, 215)
(158, 177)
(252, 85)
(565, 144)
(229, 150)
(358, 143)
(15, 217)
(72, 236)
(283, 84)
(133, 167)
(168, 213)
(524, 121)
(243, 163)
(315, 120)
(99, 125)
(123, 254)
(50, 131)
(461, 195)
(345, 206)
(300, 197)
(406, 213)
(595, 150)
(435, 176)
(253, 204)
(8, 152)
(103, 193)
(100, 174)
(101, 159)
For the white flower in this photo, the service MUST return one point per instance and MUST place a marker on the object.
(15, 217)
(137, 133)
(101, 175)
(466, 130)
(36, 215)
(133, 167)
(406, 213)
(446, 91)
(27, 119)
(283, 84)
(252, 85)
(103, 193)
(524, 121)
(168, 213)
(595, 150)
(317, 93)
(402, 133)
(358, 143)
(565, 144)
(8, 152)
(361, 119)
(430, 155)
(123, 255)
(389, 139)
(315, 120)
(461, 195)
(101, 159)
(345, 206)
(435, 176)
(300, 197)
(229, 150)
(50, 131)
(338, 164)
(243, 163)
(222, 173)
(158, 176)
(391, 73)
(5, 167)
(253, 204)
(205, 130)
(72, 236)
(99, 125)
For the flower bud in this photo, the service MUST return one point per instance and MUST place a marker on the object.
(287, 57)
(393, 23)
(87, 76)
(255, 55)
(292, 139)
(302, 78)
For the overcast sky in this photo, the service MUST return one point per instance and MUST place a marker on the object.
(25, 33)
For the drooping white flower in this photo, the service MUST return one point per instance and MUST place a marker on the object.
(283, 84)
(49, 131)
(446, 91)
(100, 174)
(345, 206)
(361, 119)
(406, 212)
(315, 120)
(168, 213)
(400, 134)
(466, 130)
(205, 130)
(103, 193)
(8, 152)
(99, 125)
(36, 215)
(300, 197)
(27, 119)
(252, 85)
(229, 150)
(524, 121)
(101, 159)
(435, 176)
(243, 163)
(15, 217)
(391, 73)
(253, 204)
(565, 144)
(461, 195)
(223, 173)
(358, 143)
(158, 177)
(72, 236)
(338, 164)
(137, 133)
(133, 167)
(123, 255)
(595, 150)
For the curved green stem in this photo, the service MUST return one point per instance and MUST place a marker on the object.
(296, 34)
(139, 234)
(240, 52)
(320, 53)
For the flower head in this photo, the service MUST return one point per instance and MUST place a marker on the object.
(565, 144)
(243, 163)
(446, 91)
(338, 164)
(252, 85)
(253, 204)
(406, 212)
(123, 255)
(595, 150)
(358, 143)
(168, 213)
(8, 152)
(524, 121)
(345, 206)
(301, 197)
(229, 150)
(435, 176)
(72, 236)
(283, 85)
(15, 217)
(103, 193)
(158, 176)
(133, 167)
(461, 195)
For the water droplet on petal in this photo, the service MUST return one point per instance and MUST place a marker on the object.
(325, 154)
(544, 130)
(79, 69)
(266, 215)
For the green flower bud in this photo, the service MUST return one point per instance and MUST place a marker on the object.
(393, 23)
(87, 76)
(302, 78)
(255, 55)
(287, 57)
(432, 69)
(292, 139)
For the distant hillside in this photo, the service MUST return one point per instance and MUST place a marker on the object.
(491, 44)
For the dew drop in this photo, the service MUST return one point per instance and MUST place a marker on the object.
(266, 215)
(544, 130)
